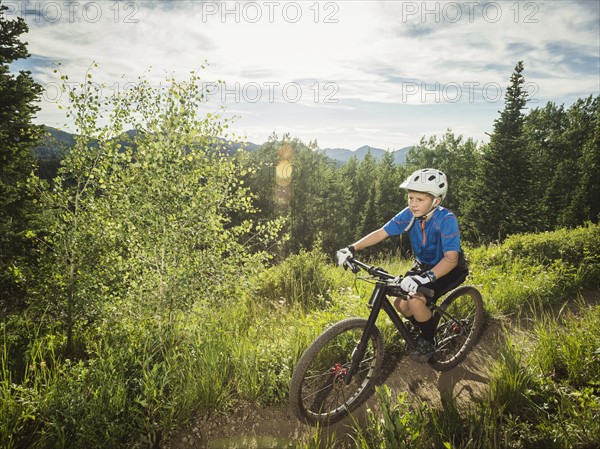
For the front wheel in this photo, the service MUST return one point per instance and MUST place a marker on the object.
(318, 392)
(461, 317)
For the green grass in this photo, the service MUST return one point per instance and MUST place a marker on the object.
(544, 388)
(544, 392)
(137, 379)
(139, 382)
(536, 270)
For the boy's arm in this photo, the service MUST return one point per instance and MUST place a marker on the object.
(447, 264)
(371, 239)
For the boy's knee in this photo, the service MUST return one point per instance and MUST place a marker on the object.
(417, 300)
(401, 305)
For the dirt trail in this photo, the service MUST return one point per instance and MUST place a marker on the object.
(276, 427)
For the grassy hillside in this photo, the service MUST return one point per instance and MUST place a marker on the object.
(543, 392)
(138, 382)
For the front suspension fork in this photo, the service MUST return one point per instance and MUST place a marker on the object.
(376, 301)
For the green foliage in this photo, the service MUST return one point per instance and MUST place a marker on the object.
(143, 222)
(320, 201)
(303, 279)
(563, 148)
(141, 380)
(553, 389)
(138, 235)
(401, 424)
(537, 269)
(500, 203)
(511, 380)
(18, 135)
(568, 347)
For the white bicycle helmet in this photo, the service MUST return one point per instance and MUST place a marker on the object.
(427, 180)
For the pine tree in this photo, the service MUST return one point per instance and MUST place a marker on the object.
(563, 149)
(365, 183)
(500, 202)
(389, 199)
(17, 137)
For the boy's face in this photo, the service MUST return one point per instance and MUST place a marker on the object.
(420, 203)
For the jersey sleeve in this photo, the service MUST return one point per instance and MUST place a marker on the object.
(397, 224)
(450, 234)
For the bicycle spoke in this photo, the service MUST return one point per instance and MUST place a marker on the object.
(319, 391)
(460, 318)
(324, 391)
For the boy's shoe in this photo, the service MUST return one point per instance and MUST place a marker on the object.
(423, 352)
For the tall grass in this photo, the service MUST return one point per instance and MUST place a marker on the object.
(544, 388)
(544, 395)
(141, 380)
(537, 269)
(138, 381)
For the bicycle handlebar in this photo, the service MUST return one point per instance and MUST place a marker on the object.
(356, 265)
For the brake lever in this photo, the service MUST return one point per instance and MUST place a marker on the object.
(426, 291)
(353, 268)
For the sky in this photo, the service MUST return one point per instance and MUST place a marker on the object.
(341, 73)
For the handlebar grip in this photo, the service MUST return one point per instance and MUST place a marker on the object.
(426, 291)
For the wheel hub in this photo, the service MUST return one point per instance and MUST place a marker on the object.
(339, 372)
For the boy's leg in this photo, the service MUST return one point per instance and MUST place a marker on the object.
(412, 311)
(417, 311)
(401, 305)
(423, 316)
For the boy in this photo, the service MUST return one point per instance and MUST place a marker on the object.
(435, 241)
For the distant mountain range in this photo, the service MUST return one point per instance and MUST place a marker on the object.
(59, 140)
(343, 155)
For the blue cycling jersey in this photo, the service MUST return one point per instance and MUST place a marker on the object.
(430, 239)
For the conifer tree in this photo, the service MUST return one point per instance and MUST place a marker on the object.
(18, 135)
(365, 181)
(389, 199)
(500, 202)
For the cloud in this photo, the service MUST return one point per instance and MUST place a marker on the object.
(390, 65)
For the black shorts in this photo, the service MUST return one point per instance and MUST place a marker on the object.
(444, 284)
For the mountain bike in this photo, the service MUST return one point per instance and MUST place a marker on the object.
(339, 370)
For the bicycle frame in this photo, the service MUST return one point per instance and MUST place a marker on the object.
(328, 382)
(377, 302)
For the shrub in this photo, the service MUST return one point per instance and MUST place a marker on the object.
(537, 269)
(304, 279)
(578, 247)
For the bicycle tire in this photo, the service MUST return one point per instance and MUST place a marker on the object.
(456, 336)
(318, 394)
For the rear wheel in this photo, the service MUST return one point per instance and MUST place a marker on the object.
(318, 393)
(461, 317)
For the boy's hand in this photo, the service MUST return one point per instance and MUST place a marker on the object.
(343, 254)
(412, 283)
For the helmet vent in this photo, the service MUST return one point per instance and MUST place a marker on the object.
(427, 180)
